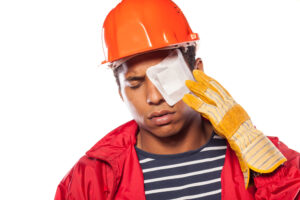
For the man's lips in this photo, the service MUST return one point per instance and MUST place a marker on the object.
(162, 117)
(160, 113)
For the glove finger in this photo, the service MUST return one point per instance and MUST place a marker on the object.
(199, 89)
(200, 76)
(222, 106)
(207, 110)
(225, 94)
(193, 102)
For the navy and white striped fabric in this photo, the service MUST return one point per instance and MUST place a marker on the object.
(190, 175)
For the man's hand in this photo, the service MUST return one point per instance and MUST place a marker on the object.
(254, 150)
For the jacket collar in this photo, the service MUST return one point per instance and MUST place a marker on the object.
(115, 143)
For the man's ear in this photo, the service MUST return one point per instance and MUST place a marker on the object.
(120, 93)
(199, 64)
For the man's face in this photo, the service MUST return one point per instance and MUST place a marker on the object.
(146, 104)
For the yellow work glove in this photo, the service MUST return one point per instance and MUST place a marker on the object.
(253, 149)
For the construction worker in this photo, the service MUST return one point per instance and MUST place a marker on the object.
(188, 139)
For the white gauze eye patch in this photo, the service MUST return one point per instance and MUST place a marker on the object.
(169, 77)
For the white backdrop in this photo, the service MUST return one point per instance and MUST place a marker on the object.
(55, 102)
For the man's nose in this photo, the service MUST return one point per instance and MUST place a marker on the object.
(153, 95)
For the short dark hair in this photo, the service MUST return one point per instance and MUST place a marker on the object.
(189, 55)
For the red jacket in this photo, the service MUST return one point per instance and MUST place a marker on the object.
(111, 170)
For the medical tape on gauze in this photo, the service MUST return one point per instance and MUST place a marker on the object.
(169, 77)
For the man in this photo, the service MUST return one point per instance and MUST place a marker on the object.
(201, 146)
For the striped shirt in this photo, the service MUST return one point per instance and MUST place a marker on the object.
(194, 174)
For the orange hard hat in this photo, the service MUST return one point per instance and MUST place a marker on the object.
(137, 26)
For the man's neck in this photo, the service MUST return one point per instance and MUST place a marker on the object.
(192, 136)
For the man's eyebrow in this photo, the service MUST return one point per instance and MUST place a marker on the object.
(135, 78)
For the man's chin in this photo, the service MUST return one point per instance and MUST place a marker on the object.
(166, 130)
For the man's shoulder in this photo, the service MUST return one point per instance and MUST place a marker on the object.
(110, 146)
(114, 141)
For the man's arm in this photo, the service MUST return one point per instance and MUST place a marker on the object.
(253, 149)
